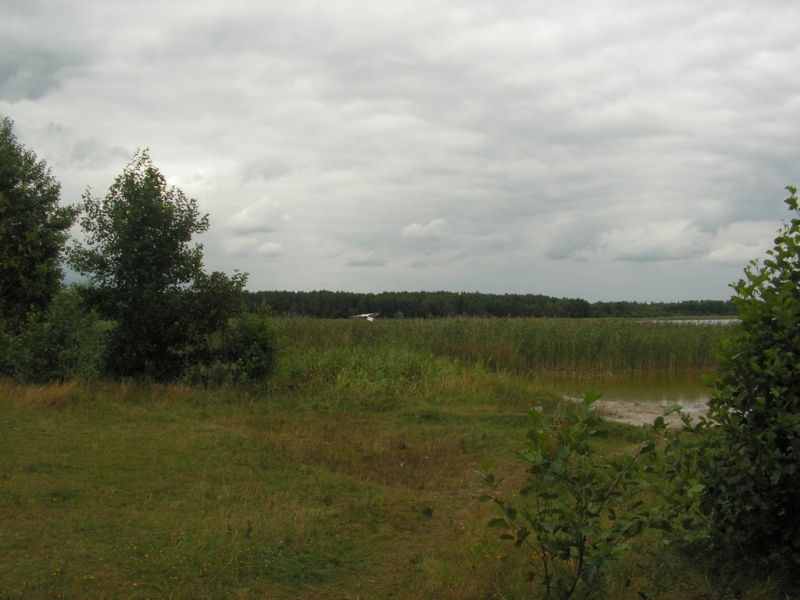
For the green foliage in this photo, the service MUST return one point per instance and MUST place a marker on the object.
(578, 509)
(751, 451)
(149, 276)
(8, 353)
(249, 342)
(242, 352)
(66, 342)
(33, 230)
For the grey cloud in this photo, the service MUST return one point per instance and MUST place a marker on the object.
(263, 172)
(366, 258)
(461, 247)
(657, 241)
(29, 76)
(554, 138)
(675, 240)
(42, 46)
(571, 237)
(68, 149)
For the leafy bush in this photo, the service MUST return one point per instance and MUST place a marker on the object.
(244, 351)
(66, 342)
(580, 509)
(750, 456)
(577, 509)
(7, 352)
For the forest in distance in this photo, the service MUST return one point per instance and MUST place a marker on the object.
(423, 304)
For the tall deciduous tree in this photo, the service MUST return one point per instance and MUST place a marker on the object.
(140, 256)
(33, 230)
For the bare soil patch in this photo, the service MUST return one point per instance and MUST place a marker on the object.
(644, 413)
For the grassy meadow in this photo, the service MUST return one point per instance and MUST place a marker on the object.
(351, 474)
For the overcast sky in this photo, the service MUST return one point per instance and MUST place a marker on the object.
(606, 150)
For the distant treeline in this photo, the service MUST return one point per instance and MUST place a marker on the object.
(327, 304)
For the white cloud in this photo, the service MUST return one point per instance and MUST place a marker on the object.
(734, 255)
(436, 229)
(248, 245)
(675, 240)
(739, 243)
(258, 217)
(269, 249)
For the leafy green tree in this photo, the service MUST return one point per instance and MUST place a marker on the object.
(149, 276)
(751, 452)
(33, 231)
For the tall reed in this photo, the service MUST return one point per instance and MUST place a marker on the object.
(575, 347)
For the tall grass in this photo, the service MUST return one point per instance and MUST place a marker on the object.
(573, 347)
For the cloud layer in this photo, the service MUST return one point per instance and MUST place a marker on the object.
(606, 150)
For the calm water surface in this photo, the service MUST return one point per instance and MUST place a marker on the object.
(683, 389)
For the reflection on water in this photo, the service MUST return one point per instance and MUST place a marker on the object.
(682, 389)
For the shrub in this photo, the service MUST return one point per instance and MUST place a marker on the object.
(578, 510)
(751, 448)
(66, 342)
(244, 351)
(7, 352)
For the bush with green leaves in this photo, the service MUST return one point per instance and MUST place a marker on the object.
(242, 352)
(66, 342)
(750, 453)
(8, 352)
(581, 509)
(570, 493)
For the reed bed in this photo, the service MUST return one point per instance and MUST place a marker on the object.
(571, 347)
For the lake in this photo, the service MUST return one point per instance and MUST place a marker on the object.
(637, 400)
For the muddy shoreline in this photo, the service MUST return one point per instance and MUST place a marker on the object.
(644, 413)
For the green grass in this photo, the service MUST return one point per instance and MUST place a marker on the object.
(351, 475)
(121, 490)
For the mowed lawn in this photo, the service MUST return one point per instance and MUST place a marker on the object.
(167, 491)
